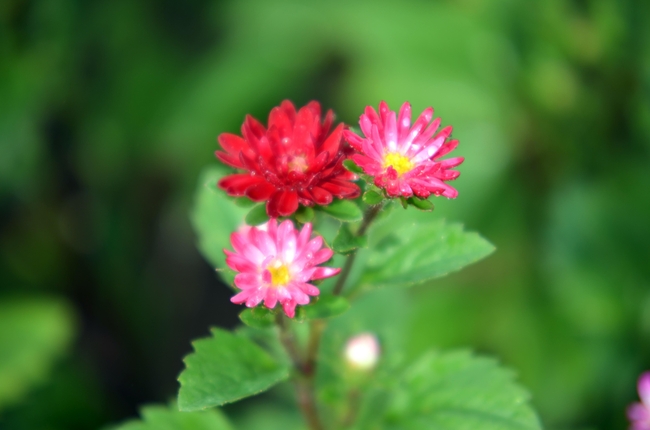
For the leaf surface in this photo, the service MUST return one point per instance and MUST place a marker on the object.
(450, 391)
(214, 217)
(157, 417)
(224, 369)
(418, 252)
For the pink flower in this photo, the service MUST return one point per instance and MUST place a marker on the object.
(639, 413)
(276, 264)
(405, 160)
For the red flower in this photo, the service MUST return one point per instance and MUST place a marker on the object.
(294, 160)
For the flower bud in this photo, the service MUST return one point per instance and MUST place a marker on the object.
(362, 351)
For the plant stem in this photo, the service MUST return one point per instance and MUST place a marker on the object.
(288, 341)
(315, 333)
(307, 370)
(368, 218)
(307, 402)
(354, 399)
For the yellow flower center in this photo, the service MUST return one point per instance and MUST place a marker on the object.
(298, 163)
(279, 275)
(399, 162)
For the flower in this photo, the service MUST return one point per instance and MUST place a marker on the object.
(639, 413)
(405, 160)
(276, 263)
(362, 351)
(294, 160)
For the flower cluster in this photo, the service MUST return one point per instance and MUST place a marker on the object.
(295, 161)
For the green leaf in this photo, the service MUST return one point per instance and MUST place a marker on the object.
(259, 317)
(452, 391)
(224, 369)
(300, 316)
(345, 242)
(326, 306)
(214, 218)
(422, 204)
(372, 197)
(343, 210)
(272, 414)
(34, 333)
(257, 215)
(157, 417)
(403, 201)
(304, 214)
(244, 202)
(352, 166)
(419, 252)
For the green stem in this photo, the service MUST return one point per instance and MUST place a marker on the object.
(354, 401)
(304, 382)
(307, 403)
(288, 341)
(315, 334)
(307, 368)
(368, 218)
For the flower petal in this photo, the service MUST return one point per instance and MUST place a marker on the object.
(644, 388)
(321, 196)
(283, 203)
(260, 191)
(404, 121)
(325, 272)
(247, 281)
(287, 241)
(638, 412)
(238, 184)
(303, 237)
(289, 307)
(331, 144)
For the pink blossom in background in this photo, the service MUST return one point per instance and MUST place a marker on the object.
(276, 264)
(405, 160)
(639, 413)
(362, 351)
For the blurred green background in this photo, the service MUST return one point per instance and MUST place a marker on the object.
(109, 110)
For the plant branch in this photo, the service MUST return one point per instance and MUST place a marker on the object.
(304, 382)
(288, 341)
(307, 367)
(368, 218)
(315, 333)
(307, 402)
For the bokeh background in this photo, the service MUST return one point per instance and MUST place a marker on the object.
(109, 110)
